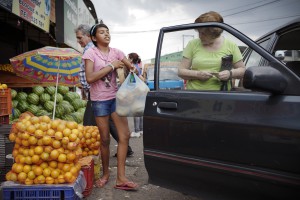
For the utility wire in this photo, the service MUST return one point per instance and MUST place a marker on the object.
(155, 30)
(251, 8)
(276, 1)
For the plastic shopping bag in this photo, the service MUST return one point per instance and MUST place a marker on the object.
(131, 97)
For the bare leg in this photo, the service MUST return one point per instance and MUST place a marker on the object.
(121, 124)
(103, 126)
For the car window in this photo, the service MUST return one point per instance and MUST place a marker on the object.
(254, 58)
(287, 49)
(166, 73)
(172, 48)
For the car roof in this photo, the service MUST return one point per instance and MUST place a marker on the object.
(290, 23)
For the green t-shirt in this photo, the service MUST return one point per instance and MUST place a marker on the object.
(208, 61)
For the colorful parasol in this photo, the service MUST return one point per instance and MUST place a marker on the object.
(53, 65)
(44, 64)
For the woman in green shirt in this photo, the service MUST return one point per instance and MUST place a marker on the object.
(202, 57)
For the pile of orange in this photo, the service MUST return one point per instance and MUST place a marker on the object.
(90, 142)
(46, 151)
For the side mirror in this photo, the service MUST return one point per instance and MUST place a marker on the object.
(280, 55)
(264, 79)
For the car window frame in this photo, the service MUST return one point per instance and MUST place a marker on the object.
(275, 63)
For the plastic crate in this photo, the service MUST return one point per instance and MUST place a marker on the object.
(49, 192)
(39, 192)
(5, 102)
(88, 172)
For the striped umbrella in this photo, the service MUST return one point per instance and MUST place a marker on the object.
(52, 65)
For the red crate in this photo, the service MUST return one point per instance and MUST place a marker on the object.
(88, 172)
(4, 119)
(5, 102)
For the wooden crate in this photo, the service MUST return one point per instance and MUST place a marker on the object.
(5, 102)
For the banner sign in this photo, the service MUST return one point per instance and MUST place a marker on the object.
(73, 13)
(7, 4)
(37, 12)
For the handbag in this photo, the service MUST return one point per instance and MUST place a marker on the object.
(131, 97)
(226, 64)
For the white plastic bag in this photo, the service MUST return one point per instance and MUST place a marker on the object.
(131, 97)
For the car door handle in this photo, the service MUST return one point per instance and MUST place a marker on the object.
(167, 105)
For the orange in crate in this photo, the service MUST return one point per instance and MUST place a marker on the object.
(5, 102)
(88, 171)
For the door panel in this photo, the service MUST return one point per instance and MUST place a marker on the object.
(256, 130)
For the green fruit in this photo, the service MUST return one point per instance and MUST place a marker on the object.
(70, 96)
(14, 103)
(68, 117)
(21, 96)
(45, 97)
(62, 89)
(13, 93)
(42, 112)
(49, 106)
(22, 106)
(77, 103)
(60, 110)
(38, 90)
(33, 98)
(33, 109)
(16, 113)
(50, 90)
(59, 98)
(81, 110)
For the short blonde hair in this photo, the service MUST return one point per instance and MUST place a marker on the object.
(211, 16)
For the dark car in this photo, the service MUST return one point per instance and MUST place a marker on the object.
(237, 144)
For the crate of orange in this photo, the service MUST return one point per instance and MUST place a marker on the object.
(42, 150)
(64, 191)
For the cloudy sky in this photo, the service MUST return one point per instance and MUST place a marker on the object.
(135, 24)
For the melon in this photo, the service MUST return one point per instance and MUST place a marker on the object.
(50, 90)
(62, 89)
(13, 93)
(45, 97)
(21, 96)
(38, 90)
(33, 109)
(33, 98)
(59, 97)
(49, 105)
(14, 103)
(22, 106)
(16, 113)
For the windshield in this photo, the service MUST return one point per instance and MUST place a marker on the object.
(166, 73)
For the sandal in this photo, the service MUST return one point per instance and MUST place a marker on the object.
(101, 183)
(127, 186)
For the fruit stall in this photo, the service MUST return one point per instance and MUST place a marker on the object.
(49, 155)
(41, 154)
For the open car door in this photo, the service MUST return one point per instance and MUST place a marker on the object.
(246, 140)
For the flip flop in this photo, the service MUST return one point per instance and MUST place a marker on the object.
(101, 183)
(127, 186)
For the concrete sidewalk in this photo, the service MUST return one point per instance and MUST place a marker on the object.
(136, 171)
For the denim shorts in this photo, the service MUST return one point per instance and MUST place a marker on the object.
(104, 108)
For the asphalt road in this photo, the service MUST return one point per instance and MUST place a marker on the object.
(136, 171)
